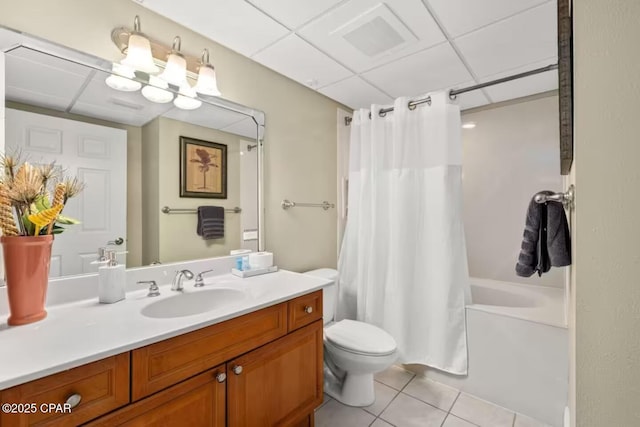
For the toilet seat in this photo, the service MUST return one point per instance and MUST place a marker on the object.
(360, 338)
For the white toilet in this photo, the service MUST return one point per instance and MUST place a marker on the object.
(353, 351)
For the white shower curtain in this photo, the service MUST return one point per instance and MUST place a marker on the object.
(403, 263)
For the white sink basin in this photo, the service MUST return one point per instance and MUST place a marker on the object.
(191, 303)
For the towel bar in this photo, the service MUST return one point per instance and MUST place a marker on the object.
(286, 204)
(169, 210)
(565, 198)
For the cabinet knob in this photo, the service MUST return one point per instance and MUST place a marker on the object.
(221, 377)
(73, 400)
(308, 309)
(237, 370)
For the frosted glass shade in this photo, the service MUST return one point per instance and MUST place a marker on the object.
(186, 99)
(139, 54)
(175, 72)
(121, 79)
(207, 83)
(155, 91)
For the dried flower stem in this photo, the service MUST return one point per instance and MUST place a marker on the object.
(7, 222)
(58, 200)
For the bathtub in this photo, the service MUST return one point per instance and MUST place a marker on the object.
(518, 349)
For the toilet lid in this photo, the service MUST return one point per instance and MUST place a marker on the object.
(360, 337)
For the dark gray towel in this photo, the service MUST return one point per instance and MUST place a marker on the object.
(546, 241)
(210, 222)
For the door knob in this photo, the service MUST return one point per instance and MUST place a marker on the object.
(221, 377)
(116, 242)
(237, 370)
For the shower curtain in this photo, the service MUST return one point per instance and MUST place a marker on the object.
(403, 262)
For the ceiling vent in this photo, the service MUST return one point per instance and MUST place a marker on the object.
(376, 32)
(125, 104)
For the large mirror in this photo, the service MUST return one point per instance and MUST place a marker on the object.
(136, 158)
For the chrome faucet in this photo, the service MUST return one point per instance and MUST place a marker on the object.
(177, 280)
(200, 280)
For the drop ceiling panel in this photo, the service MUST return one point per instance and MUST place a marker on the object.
(407, 18)
(471, 99)
(523, 39)
(302, 62)
(526, 86)
(100, 101)
(245, 127)
(462, 16)
(233, 23)
(355, 93)
(421, 72)
(42, 80)
(206, 116)
(294, 13)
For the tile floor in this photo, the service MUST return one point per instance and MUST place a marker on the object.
(404, 400)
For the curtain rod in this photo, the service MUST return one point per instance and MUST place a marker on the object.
(455, 92)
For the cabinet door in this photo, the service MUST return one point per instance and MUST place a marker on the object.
(196, 402)
(279, 384)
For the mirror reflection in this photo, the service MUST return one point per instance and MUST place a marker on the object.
(127, 150)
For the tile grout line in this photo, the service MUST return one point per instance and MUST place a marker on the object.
(394, 397)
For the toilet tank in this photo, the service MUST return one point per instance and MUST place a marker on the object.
(329, 293)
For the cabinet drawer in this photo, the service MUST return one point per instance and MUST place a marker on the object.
(103, 386)
(199, 401)
(168, 362)
(305, 310)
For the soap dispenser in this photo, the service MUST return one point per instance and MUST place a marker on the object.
(111, 280)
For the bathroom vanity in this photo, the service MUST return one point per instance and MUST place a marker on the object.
(260, 368)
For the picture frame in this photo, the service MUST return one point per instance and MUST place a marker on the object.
(203, 169)
(565, 84)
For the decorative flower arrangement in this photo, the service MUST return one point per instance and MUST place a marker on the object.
(26, 206)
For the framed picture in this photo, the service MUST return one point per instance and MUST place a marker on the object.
(203, 169)
(565, 84)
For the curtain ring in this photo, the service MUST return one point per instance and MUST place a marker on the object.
(452, 97)
(382, 113)
(411, 105)
(369, 115)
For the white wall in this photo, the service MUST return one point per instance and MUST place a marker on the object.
(607, 179)
(512, 153)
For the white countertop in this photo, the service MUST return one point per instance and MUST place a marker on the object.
(81, 332)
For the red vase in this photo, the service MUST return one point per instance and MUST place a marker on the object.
(26, 264)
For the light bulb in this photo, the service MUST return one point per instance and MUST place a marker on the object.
(207, 83)
(139, 55)
(121, 79)
(186, 99)
(155, 91)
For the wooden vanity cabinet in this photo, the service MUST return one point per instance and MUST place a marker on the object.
(101, 387)
(279, 384)
(261, 369)
(198, 401)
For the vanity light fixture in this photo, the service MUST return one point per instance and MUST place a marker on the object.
(121, 79)
(155, 91)
(175, 72)
(207, 83)
(186, 99)
(138, 51)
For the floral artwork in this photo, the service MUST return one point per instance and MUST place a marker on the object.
(203, 170)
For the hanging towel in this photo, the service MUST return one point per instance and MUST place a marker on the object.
(546, 240)
(210, 222)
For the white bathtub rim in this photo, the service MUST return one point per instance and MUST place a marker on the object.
(549, 309)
